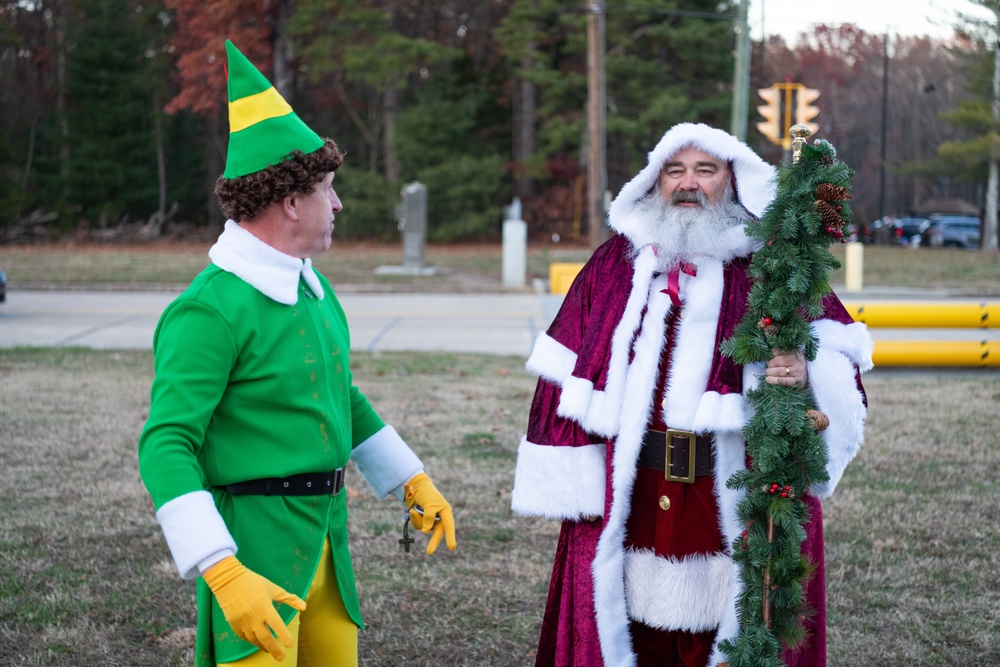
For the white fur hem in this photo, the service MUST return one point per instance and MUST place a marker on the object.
(691, 594)
(559, 482)
(195, 531)
(385, 461)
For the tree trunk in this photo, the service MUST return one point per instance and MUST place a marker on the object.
(282, 52)
(390, 107)
(527, 112)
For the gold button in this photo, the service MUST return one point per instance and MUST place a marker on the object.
(664, 503)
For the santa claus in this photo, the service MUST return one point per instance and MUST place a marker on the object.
(636, 423)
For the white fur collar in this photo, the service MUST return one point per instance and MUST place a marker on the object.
(271, 272)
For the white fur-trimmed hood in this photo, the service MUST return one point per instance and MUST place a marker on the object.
(755, 184)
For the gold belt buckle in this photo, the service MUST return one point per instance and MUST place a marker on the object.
(670, 477)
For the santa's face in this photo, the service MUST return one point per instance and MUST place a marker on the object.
(692, 179)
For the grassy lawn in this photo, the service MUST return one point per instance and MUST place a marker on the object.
(463, 267)
(85, 577)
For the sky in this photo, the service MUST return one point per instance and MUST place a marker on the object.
(900, 17)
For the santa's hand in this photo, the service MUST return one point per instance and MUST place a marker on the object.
(435, 511)
(786, 368)
(246, 598)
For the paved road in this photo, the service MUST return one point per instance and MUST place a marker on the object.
(486, 323)
(491, 323)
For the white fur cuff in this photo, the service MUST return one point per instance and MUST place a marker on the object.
(194, 530)
(551, 360)
(385, 461)
(559, 482)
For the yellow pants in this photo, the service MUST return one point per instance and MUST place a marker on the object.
(323, 635)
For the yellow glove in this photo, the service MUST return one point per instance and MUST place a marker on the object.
(245, 599)
(436, 515)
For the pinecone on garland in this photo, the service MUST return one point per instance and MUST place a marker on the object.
(832, 193)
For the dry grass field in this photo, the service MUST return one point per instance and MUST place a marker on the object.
(913, 535)
(463, 267)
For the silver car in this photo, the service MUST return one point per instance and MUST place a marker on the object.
(953, 231)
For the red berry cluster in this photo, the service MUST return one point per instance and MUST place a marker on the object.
(783, 491)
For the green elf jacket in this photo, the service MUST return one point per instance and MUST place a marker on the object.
(253, 380)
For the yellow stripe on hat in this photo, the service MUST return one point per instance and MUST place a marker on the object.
(252, 109)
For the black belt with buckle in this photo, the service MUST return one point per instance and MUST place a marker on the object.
(690, 455)
(306, 484)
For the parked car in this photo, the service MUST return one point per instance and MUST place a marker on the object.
(3, 286)
(907, 230)
(894, 229)
(952, 231)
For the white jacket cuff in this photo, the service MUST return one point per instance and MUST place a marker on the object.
(832, 376)
(386, 462)
(559, 482)
(195, 532)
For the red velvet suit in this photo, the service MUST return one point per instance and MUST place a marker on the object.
(620, 358)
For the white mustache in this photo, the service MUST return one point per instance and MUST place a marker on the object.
(692, 196)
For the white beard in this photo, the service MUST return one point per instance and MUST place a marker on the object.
(715, 230)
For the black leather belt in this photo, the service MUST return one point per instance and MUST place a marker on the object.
(306, 484)
(691, 455)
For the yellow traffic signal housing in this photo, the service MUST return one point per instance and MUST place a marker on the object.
(804, 109)
(771, 126)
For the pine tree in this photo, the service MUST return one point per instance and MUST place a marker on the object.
(791, 274)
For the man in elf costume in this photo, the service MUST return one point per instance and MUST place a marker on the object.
(643, 572)
(254, 412)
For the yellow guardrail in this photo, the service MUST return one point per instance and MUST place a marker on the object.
(894, 315)
(983, 353)
(926, 314)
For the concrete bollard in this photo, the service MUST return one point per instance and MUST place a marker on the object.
(515, 249)
(854, 266)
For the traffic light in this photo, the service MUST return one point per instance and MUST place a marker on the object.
(804, 110)
(771, 127)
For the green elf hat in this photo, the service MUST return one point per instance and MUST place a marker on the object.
(263, 129)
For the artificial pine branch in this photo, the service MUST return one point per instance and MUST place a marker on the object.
(791, 276)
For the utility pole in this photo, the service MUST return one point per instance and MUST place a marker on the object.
(989, 236)
(885, 124)
(596, 172)
(741, 74)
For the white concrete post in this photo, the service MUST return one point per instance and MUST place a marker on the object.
(854, 266)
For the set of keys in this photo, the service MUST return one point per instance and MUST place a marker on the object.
(405, 543)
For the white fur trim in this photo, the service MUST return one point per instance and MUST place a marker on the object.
(603, 414)
(832, 379)
(195, 531)
(691, 594)
(268, 270)
(691, 359)
(609, 559)
(730, 456)
(574, 399)
(720, 413)
(559, 482)
(551, 360)
(755, 185)
(385, 461)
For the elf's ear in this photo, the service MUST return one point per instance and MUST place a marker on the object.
(289, 205)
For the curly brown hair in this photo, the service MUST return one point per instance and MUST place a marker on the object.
(244, 197)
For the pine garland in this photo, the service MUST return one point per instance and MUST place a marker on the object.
(791, 276)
